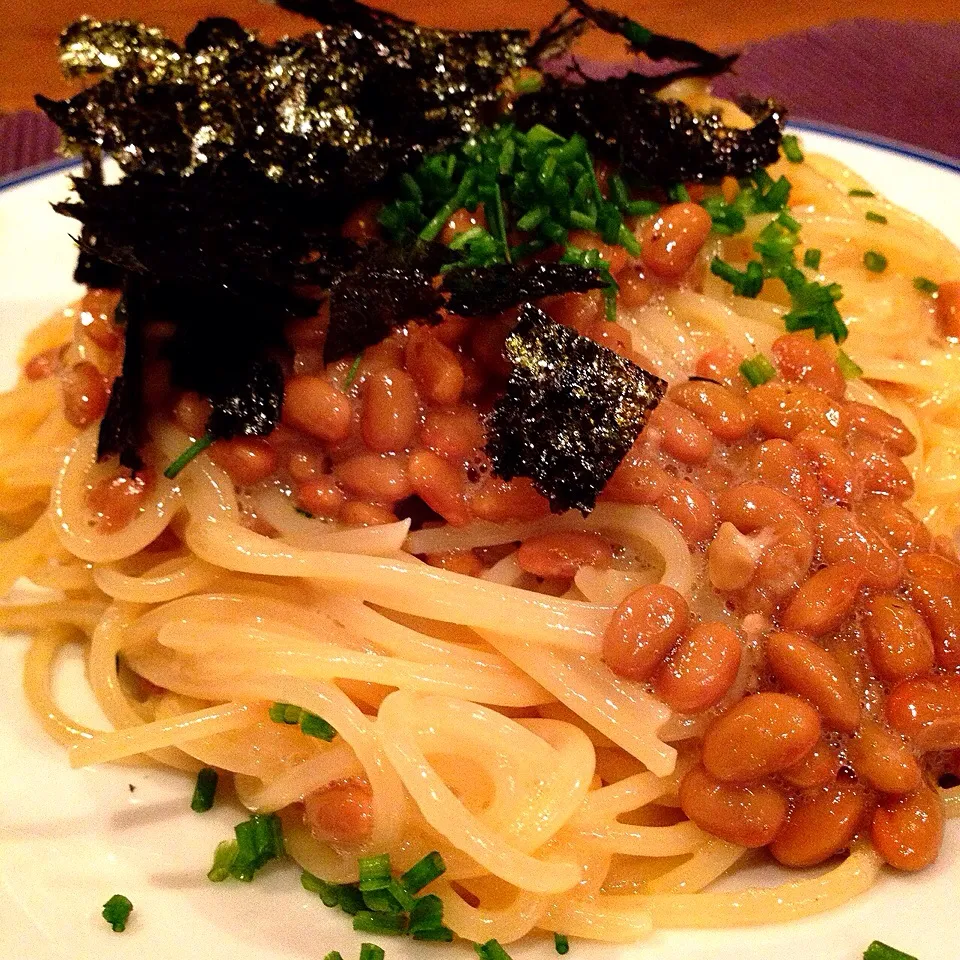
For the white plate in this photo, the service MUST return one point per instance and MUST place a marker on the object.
(69, 840)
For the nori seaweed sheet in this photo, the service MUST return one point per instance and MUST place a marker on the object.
(388, 287)
(657, 142)
(571, 411)
(123, 430)
(248, 401)
(332, 113)
(478, 291)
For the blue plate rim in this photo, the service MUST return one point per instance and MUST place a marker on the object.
(812, 126)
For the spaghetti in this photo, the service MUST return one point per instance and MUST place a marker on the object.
(480, 707)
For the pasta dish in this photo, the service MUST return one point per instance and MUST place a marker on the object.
(535, 496)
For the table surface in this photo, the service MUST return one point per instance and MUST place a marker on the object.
(28, 38)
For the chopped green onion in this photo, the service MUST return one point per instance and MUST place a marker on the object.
(678, 193)
(116, 911)
(791, 148)
(259, 840)
(439, 934)
(628, 241)
(314, 726)
(351, 899)
(380, 901)
(745, 283)
(439, 219)
(848, 368)
(281, 713)
(374, 872)
(334, 955)
(641, 208)
(424, 871)
(427, 913)
(874, 217)
(875, 261)
(401, 895)
(561, 944)
(785, 220)
(368, 921)
(223, 859)
(491, 950)
(880, 951)
(329, 893)
(194, 450)
(811, 258)
(757, 370)
(925, 286)
(370, 951)
(861, 193)
(204, 791)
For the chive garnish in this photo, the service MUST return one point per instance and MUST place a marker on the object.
(811, 258)
(880, 951)
(334, 955)
(204, 791)
(746, 283)
(925, 286)
(560, 942)
(791, 148)
(491, 950)
(194, 450)
(424, 871)
(678, 193)
(861, 193)
(370, 951)
(848, 367)
(310, 723)
(223, 858)
(374, 872)
(757, 370)
(875, 217)
(116, 912)
(368, 921)
(352, 372)
(875, 261)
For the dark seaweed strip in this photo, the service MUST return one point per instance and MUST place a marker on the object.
(386, 289)
(571, 411)
(657, 142)
(198, 231)
(491, 290)
(248, 403)
(343, 13)
(331, 113)
(656, 46)
(123, 430)
(92, 270)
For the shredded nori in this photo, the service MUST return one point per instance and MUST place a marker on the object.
(655, 141)
(571, 411)
(388, 287)
(478, 291)
(243, 158)
(123, 430)
(333, 112)
(578, 15)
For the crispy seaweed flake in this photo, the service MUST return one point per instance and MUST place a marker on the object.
(332, 113)
(578, 16)
(196, 231)
(123, 429)
(656, 141)
(490, 290)
(386, 289)
(571, 411)
(248, 402)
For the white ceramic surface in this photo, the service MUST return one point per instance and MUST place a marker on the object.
(69, 840)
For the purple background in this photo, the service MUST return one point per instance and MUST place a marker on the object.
(897, 80)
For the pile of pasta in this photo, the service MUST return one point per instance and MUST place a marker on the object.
(478, 709)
